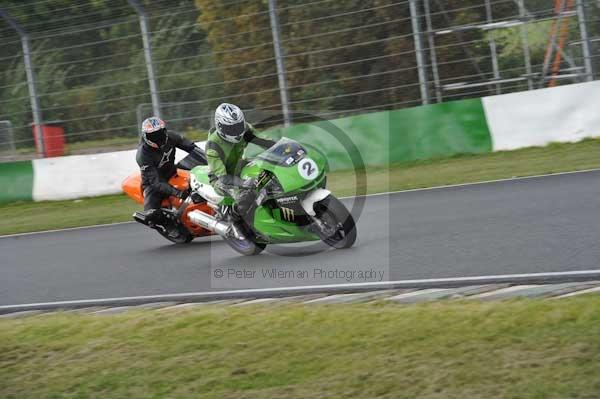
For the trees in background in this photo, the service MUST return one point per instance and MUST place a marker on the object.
(340, 55)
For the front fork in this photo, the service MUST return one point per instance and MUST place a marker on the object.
(308, 203)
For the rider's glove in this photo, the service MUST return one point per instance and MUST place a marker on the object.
(245, 198)
(230, 181)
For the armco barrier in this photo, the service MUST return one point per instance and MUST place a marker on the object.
(409, 134)
(534, 118)
(16, 181)
(439, 130)
(69, 177)
(505, 122)
(81, 175)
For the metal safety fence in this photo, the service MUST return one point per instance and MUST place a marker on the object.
(96, 68)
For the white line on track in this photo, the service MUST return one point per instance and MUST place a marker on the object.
(31, 233)
(366, 195)
(423, 283)
(509, 179)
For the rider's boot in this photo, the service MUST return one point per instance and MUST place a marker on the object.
(157, 220)
(150, 217)
(228, 214)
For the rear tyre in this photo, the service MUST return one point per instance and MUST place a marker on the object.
(182, 239)
(184, 236)
(336, 225)
(180, 234)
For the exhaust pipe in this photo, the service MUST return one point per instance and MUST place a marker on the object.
(209, 223)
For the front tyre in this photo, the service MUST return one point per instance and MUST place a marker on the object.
(335, 225)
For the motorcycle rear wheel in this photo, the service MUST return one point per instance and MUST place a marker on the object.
(247, 246)
(184, 237)
(337, 227)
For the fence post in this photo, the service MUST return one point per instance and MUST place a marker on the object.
(281, 72)
(585, 41)
(494, 53)
(146, 40)
(432, 52)
(419, 52)
(525, 44)
(33, 97)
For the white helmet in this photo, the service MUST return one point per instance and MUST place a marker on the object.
(230, 123)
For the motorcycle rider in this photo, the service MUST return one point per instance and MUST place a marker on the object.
(156, 159)
(225, 147)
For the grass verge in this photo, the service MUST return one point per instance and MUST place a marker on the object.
(24, 217)
(516, 349)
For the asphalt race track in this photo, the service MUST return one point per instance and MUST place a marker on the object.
(543, 224)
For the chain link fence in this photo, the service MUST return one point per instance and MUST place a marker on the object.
(100, 67)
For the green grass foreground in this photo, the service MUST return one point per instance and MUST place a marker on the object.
(467, 349)
(25, 217)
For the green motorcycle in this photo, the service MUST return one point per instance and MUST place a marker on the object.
(291, 202)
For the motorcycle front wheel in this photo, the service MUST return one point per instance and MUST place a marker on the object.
(336, 226)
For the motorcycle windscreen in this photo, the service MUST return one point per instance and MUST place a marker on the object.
(193, 159)
(285, 152)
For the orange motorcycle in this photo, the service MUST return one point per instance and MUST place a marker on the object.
(182, 230)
